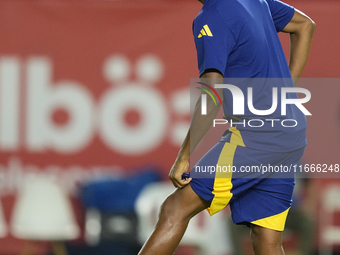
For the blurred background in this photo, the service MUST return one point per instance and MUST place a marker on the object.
(94, 104)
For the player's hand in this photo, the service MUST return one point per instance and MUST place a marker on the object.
(176, 172)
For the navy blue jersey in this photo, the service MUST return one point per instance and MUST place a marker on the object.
(239, 39)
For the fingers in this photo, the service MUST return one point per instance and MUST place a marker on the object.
(178, 182)
(185, 182)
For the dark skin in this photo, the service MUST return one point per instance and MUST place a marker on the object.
(184, 203)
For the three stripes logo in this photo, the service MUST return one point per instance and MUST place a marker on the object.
(204, 97)
(205, 32)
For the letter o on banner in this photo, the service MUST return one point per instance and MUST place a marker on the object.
(147, 134)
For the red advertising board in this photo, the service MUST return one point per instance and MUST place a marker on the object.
(100, 86)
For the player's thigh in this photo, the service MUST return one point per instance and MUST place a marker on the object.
(183, 204)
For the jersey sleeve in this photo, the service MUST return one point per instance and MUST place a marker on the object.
(281, 13)
(214, 42)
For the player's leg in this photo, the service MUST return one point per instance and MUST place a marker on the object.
(184, 203)
(266, 241)
(176, 211)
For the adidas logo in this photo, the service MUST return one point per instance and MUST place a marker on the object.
(205, 32)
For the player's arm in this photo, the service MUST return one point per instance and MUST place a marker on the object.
(199, 126)
(301, 29)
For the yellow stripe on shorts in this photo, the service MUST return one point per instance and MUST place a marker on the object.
(222, 184)
(275, 222)
(236, 137)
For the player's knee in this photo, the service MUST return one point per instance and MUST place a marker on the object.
(167, 206)
(170, 211)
